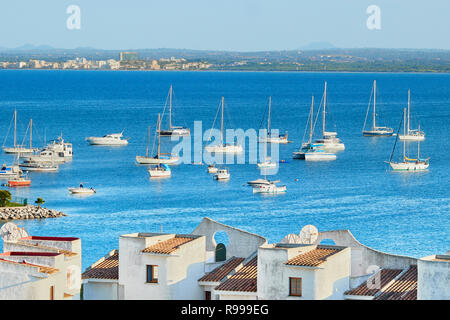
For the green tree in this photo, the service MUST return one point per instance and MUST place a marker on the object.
(39, 201)
(5, 197)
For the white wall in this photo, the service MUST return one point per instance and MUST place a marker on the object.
(433, 282)
(100, 290)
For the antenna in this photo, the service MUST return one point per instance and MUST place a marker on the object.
(11, 232)
(308, 234)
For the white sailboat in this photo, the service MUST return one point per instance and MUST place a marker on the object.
(16, 149)
(161, 170)
(270, 138)
(329, 139)
(312, 151)
(39, 167)
(173, 130)
(411, 134)
(407, 164)
(111, 139)
(375, 131)
(159, 158)
(223, 147)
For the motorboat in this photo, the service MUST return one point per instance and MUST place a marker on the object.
(39, 167)
(411, 134)
(212, 169)
(112, 139)
(222, 147)
(57, 151)
(82, 190)
(222, 174)
(160, 171)
(267, 164)
(269, 188)
(19, 182)
(9, 172)
(375, 131)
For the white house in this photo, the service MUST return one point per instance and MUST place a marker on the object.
(40, 268)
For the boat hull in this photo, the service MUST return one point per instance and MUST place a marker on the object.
(81, 191)
(224, 149)
(19, 183)
(280, 140)
(270, 188)
(378, 133)
(18, 150)
(409, 166)
(411, 137)
(149, 160)
(154, 173)
(33, 168)
(175, 132)
(100, 141)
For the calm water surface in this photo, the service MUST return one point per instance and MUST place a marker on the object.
(394, 212)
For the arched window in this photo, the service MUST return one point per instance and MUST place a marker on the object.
(221, 252)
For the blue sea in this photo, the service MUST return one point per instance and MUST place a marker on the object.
(398, 213)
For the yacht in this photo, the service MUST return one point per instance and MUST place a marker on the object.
(270, 138)
(374, 130)
(112, 139)
(160, 171)
(223, 147)
(411, 134)
(16, 148)
(159, 158)
(329, 139)
(173, 130)
(82, 190)
(8, 172)
(267, 164)
(222, 174)
(312, 151)
(269, 188)
(57, 151)
(408, 164)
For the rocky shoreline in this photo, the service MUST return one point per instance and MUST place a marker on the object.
(28, 212)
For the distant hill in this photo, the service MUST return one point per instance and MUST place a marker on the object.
(318, 46)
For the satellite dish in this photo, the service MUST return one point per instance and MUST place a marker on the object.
(308, 234)
(11, 232)
(291, 238)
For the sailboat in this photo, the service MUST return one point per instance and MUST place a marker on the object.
(222, 147)
(312, 151)
(15, 149)
(411, 134)
(173, 130)
(375, 131)
(160, 158)
(270, 138)
(329, 139)
(410, 165)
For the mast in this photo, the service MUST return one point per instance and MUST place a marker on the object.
(374, 101)
(268, 118)
(404, 128)
(418, 147)
(409, 102)
(221, 123)
(324, 106)
(170, 107)
(159, 135)
(148, 141)
(31, 134)
(311, 117)
(15, 125)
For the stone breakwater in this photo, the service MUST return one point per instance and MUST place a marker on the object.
(28, 212)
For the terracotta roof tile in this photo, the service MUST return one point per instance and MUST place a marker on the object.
(313, 258)
(106, 269)
(168, 246)
(244, 279)
(43, 269)
(222, 271)
(404, 288)
(386, 275)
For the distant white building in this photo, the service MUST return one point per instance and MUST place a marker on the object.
(194, 266)
(40, 268)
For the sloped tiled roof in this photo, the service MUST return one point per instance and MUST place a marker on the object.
(106, 269)
(244, 279)
(404, 288)
(314, 257)
(386, 275)
(168, 246)
(43, 269)
(222, 271)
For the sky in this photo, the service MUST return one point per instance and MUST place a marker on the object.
(236, 25)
